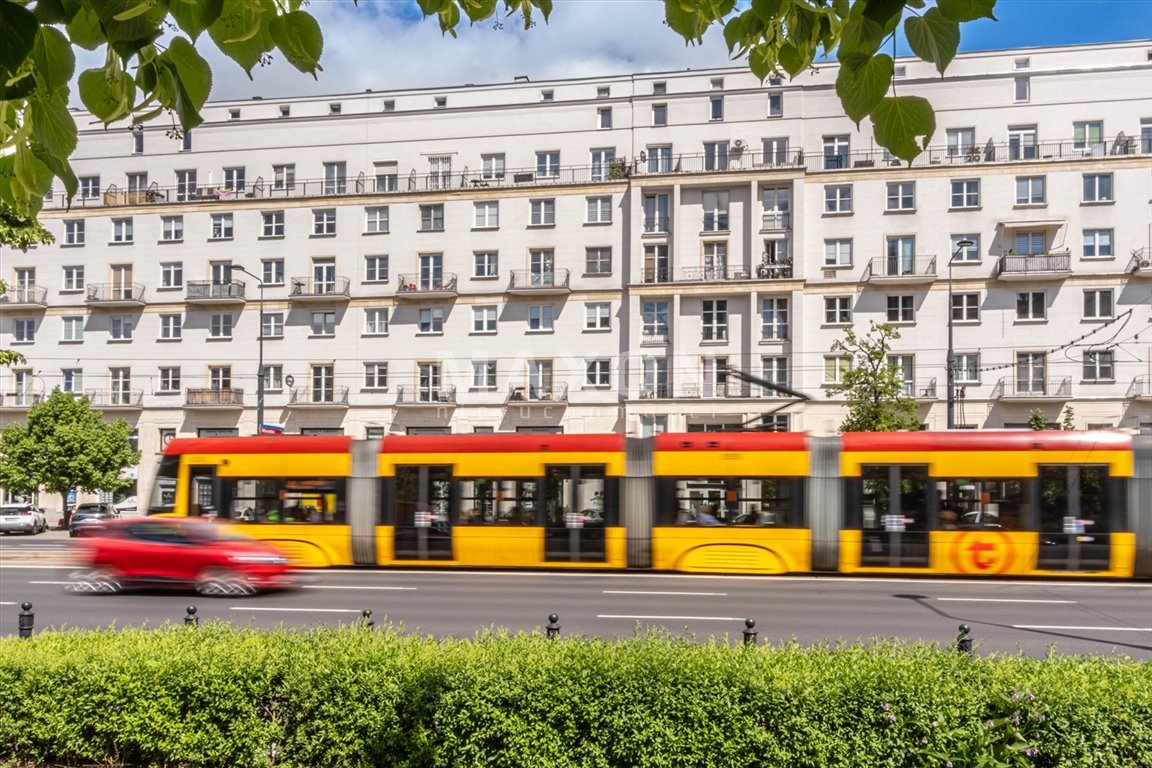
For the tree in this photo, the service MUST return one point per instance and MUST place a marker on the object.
(65, 444)
(146, 75)
(1037, 421)
(872, 386)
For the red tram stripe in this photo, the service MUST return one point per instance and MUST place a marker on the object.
(732, 441)
(502, 443)
(985, 440)
(271, 444)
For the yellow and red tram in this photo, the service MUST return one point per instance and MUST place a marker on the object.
(982, 503)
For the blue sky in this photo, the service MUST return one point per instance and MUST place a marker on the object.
(386, 45)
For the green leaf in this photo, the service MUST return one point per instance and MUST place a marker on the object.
(52, 124)
(298, 37)
(768, 10)
(792, 60)
(19, 88)
(883, 11)
(59, 167)
(53, 58)
(686, 22)
(966, 10)
(916, 4)
(450, 18)
(899, 121)
(478, 10)
(142, 7)
(860, 90)
(18, 27)
(933, 38)
(762, 60)
(195, 16)
(104, 94)
(860, 39)
(241, 31)
(191, 81)
(55, 11)
(85, 31)
(129, 25)
(32, 174)
(734, 34)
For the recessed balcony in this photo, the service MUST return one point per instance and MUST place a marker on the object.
(531, 282)
(212, 399)
(1141, 388)
(534, 393)
(775, 221)
(24, 297)
(208, 292)
(1011, 389)
(655, 392)
(417, 288)
(1054, 265)
(426, 397)
(318, 398)
(1140, 265)
(116, 399)
(306, 290)
(114, 295)
(714, 274)
(902, 270)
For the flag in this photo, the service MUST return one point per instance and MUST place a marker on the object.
(271, 429)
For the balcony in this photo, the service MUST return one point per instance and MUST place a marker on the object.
(1054, 265)
(306, 290)
(114, 295)
(532, 393)
(426, 397)
(910, 270)
(116, 399)
(528, 282)
(655, 392)
(24, 297)
(923, 391)
(415, 288)
(320, 398)
(774, 271)
(1141, 389)
(714, 274)
(208, 292)
(1140, 265)
(213, 399)
(775, 221)
(657, 225)
(657, 275)
(654, 338)
(1011, 389)
(17, 400)
(718, 391)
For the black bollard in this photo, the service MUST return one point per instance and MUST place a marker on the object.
(963, 641)
(749, 631)
(366, 619)
(191, 620)
(553, 628)
(26, 620)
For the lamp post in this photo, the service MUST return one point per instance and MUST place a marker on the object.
(960, 245)
(260, 364)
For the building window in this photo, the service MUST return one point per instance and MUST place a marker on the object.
(716, 108)
(24, 330)
(376, 220)
(966, 193)
(441, 102)
(492, 167)
(657, 265)
(659, 114)
(171, 326)
(73, 278)
(655, 382)
(122, 230)
(715, 320)
(836, 150)
(221, 226)
(335, 178)
(775, 371)
(602, 162)
(387, 176)
(234, 113)
(547, 95)
(599, 210)
(72, 379)
(775, 105)
(484, 375)
(1099, 365)
(220, 377)
(774, 319)
(656, 216)
(838, 253)
(137, 142)
(272, 325)
(715, 155)
(432, 218)
(376, 321)
(376, 269)
(89, 187)
(548, 164)
(273, 377)
(485, 264)
(324, 221)
(1030, 305)
(654, 321)
(171, 229)
(715, 210)
(598, 374)
(220, 326)
(659, 158)
(1098, 304)
(284, 176)
(486, 214)
(1088, 135)
(901, 309)
(484, 318)
(273, 223)
(543, 213)
(1097, 243)
(837, 310)
(440, 172)
(597, 316)
(540, 318)
(431, 320)
(835, 366)
(1022, 89)
(324, 323)
(775, 150)
(901, 196)
(1098, 188)
(598, 260)
(905, 366)
(1022, 144)
(74, 232)
(967, 368)
(1030, 190)
(966, 307)
(375, 375)
(962, 142)
(121, 327)
(604, 117)
(966, 253)
(838, 198)
(234, 179)
(272, 271)
(169, 380)
(73, 329)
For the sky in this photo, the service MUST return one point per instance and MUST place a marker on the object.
(386, 45)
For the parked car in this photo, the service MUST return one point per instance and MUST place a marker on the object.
(89, 516)
(207, 556)
(127, 506)
(22, 518)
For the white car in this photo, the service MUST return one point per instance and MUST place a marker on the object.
(22, 518)
(128, 506)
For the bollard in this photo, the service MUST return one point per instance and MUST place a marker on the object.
(553, 628)
(366, 619)
(749, 632)
(191, 620)
(963, 641)
(26, 620)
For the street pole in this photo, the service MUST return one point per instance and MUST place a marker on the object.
(951, 359)
(260, 345)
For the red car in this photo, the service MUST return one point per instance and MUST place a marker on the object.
(179, 552)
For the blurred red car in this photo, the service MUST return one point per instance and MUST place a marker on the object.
(178, 552)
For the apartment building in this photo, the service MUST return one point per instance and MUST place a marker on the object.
(598, 254)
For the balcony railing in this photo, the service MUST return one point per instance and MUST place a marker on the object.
(1141, 388)
(426, 396)
(654, 337)
(775, 220)
(773, 271)
(21, 399)
(414, 286)
(529, 393)
(209, 291)
(1052, 263)
(307, 288)
(319, 397)
(1011, 388)
(726, 391)
(25, 296)
(921, 390)
(1140, 264)
(657, 274)
(714, 274)
(535, 281)
(657, 392)
(115, 398)
(213, 398)
(114, 294)
(901, 269)
(657, 224)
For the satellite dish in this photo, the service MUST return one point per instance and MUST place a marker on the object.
(289, 380)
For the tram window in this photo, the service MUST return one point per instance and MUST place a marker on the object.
(970, 503)
(423, 490)
(1074, 499)
(164, 489)
(577, 490)
(497, 501)
(276, 500)
(741, 501)
(904, 508)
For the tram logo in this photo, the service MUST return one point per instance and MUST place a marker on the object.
(986, 552)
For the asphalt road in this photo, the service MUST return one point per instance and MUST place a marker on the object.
(1030, 617)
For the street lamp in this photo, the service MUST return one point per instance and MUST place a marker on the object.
(260, 365)
(960, 245)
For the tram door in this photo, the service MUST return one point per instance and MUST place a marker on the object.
(203, 492)
(422, 501)
(1077, 507)
(893, 516)
(576, 515)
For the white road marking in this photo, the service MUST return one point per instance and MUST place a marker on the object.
(7, 602)
(998, 600)
(296, 610)
(51, 583)
(669, 618)
(344, 586)
(1089, 629)
(688, 594)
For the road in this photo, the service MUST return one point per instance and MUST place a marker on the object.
(1073, 617)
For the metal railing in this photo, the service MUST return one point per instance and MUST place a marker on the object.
(1053, 261)
(771, 271)
(775, 220)
(1011, 387)
(1140, 387)
(657, 275)
(528, 278)
(25, 294)
(727, 391)
(921, 390)
(416, 284)
(1141, 262)
(115, 398)
(714, 274)
(657, 224)
(444, 395)
(902, 266)
(308, 395)
(533, 393)
(653, 337)
(96, 293)
(21, 399)
(307, 287)
(658, 392)
(194, 397)
(207, 289)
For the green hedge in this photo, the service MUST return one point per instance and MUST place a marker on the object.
(221, 696)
